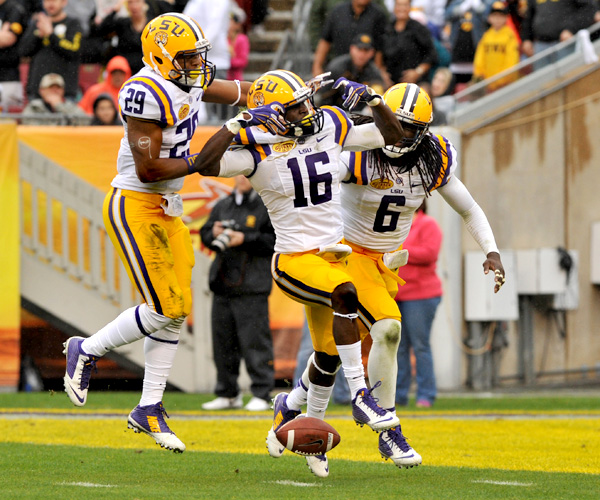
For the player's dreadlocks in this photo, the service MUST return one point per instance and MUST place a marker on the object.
(428, 159)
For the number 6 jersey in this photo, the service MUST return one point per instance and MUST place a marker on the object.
(148, 96)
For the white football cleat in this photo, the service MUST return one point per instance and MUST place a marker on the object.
(318, 465)
(365, 410)
(257, 404)
(393, 446)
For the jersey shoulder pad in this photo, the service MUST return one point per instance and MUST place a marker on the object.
(447, 161)
(337, 122)
(147, 98)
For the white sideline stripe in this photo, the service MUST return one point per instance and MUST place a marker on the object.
(502, 483)
(88, 485)
(293, 483)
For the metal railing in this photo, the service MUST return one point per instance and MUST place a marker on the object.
(294, 52)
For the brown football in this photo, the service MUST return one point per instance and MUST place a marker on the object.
(308, 436)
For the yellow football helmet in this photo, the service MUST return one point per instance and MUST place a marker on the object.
(169, 41)
(412, 105)
(290, 90)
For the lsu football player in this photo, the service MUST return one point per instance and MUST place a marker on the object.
(380, 193)
(142, 212)
(294, 166)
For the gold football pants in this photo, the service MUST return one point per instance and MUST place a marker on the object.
(155, 249)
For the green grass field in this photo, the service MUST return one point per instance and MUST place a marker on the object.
(509, 447)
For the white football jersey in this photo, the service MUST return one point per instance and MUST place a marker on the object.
(148, 96)
(299, 179)
(378, 213)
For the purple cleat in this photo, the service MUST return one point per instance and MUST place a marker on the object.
(79, 370)
(281, 415)
(151, 420)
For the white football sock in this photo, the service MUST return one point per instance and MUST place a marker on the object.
(383, 361)
(318, 399)
(354, 371)
(298, 395)
(159, 352)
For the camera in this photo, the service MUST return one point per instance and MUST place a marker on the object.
(221, 242)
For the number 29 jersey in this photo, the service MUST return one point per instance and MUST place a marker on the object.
(378, 212)
(150, 97)
(299, 179)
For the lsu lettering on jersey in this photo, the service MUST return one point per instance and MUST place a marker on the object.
(148, 96)
(299, 179)
(378, 213)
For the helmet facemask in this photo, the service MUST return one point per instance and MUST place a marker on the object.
(310, 124)
(184, 74)
(407, 144)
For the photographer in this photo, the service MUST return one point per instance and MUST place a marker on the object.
(240, 232)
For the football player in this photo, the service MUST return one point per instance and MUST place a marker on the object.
(297, 173)
(380, 193)
(142, 212)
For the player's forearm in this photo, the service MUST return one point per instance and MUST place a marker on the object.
(208, 161)
(387, 123)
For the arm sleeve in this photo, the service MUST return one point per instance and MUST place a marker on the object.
(458, 197)
(237, 162)
(363, 137)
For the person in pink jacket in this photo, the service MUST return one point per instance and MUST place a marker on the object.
(418, 300)
(239, 47)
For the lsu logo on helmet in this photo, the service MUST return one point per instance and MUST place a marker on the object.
(172, 43)
(290, 90)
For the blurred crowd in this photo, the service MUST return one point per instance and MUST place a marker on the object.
(70, 57)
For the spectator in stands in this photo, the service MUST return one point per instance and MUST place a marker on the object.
(418, 301)
(256, 12)
(468, 22)
(434, 11)
(240, 231)
(214, 18)
(13, 20)
(239, 45)
(442, 88)
(342, 24)
(92, 45)
(357, 66)
(51, 108)
(126, 31)
(104, 111)
(118, 72)
(497, 50)
(408, 51)
(548, 23)
(53, 41)
(319, 11)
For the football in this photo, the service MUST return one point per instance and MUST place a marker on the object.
(308, 436)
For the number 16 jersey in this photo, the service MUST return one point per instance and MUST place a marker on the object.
(299, 178)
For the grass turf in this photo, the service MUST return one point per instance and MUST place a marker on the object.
(508, 447)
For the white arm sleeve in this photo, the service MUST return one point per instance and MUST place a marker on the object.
(458, 197)
(363, 137)
(235, 163)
